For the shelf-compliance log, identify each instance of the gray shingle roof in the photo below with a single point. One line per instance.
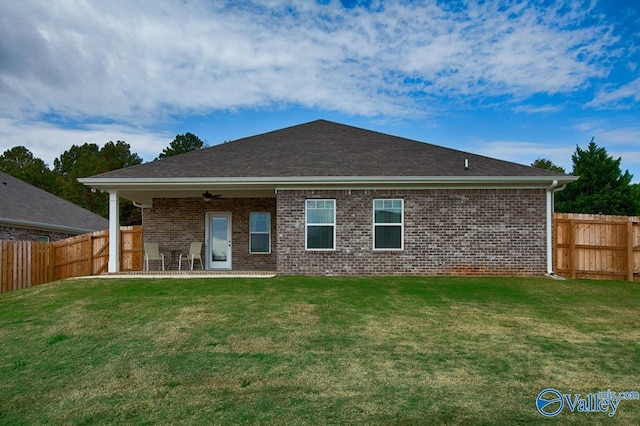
(22, 203)
(323, 148)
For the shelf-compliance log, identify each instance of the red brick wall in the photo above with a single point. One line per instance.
(175, 222)
(13, 233)
(476, 232)
(461, 232)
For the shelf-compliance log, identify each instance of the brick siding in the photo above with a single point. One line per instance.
(13, 233)
(446, 232)
(176, 222)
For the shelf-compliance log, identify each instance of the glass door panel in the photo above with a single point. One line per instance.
(219, 241)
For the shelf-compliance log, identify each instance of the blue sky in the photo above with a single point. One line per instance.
(515, 80)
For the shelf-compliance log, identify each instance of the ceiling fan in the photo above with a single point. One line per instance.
(207, 196)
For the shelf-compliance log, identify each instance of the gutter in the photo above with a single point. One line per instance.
(550, 191)
(127, 185)
(134, 183)
(142, 205)
(45, 226)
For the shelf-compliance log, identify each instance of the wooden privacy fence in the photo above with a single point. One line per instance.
(24, 264)
(27, 263)
(597, 246)
(88, 254)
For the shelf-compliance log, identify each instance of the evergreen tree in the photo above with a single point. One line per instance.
(20, 163)
(543, 163)
(181, 144)
(77, 162)
(602, 187)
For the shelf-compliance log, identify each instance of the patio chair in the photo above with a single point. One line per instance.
(192, 256)
(152, 252)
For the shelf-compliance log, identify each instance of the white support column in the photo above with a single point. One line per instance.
(114, 232)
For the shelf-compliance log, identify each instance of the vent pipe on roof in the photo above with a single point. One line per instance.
(466, 164)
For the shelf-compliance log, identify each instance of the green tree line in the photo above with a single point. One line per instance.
(87, 160)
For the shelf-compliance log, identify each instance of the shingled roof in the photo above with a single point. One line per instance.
(324, 148)
(25, 206)
(319, 154)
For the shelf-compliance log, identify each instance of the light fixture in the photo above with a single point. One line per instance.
(207, 196)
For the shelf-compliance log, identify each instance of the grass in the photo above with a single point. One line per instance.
(298, 350)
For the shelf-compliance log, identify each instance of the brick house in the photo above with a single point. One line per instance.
(324, 198)
(28, 213)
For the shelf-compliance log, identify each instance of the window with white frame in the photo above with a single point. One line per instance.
(260, 233)
(388, 223)
(320, 224)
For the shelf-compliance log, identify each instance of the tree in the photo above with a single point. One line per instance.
(88, 160)
(635, 191)
(543, 163)
(118, 155)
(20, 163)
(77, 162)
(602, 187)
(181, 144)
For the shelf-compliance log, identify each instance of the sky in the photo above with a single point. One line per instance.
(515, 80)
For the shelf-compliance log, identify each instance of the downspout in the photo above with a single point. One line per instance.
(141, 207)
(550, 191)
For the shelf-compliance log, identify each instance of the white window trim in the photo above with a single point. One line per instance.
(373, 243)
(261, 233)
(306, 224)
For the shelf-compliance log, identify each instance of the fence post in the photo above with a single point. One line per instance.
(572, 248)
(91, 248)
(1, 267)
(52, 263)
(630, 257)
(28, 263)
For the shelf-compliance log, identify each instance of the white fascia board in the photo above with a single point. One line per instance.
(44, 226)
(331, 181)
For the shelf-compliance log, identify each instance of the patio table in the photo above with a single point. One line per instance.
(174, 259)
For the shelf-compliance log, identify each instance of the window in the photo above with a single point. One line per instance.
(260, 233)
(388, 224)
(43, 239)
(320, 224)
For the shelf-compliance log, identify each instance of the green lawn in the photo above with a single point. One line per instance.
(298, 350)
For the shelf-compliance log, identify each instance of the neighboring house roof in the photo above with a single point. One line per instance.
(24, 206)
(316, 153)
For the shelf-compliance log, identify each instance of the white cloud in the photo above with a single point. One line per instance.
(517, 50)
(618, 98)
(137, 62)
(607, 132)
(537, 109)
(47, 141)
